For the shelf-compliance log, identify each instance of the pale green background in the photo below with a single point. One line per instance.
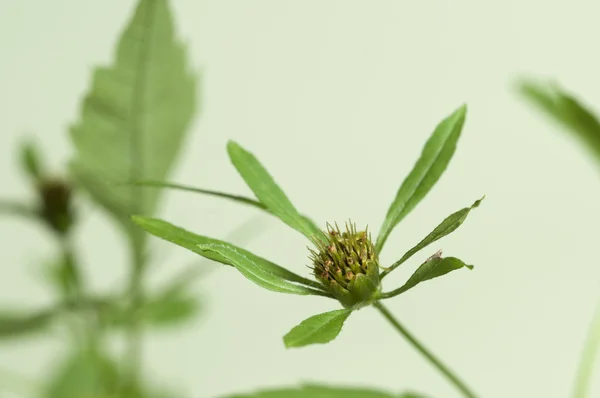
(337, 98)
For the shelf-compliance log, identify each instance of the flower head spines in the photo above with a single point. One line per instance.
(346, 264)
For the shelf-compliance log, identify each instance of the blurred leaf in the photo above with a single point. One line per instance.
(446, 227)
(434, 159)
(135, 115)
(318, 329)
(170, 308)
(13, 207)
(251, 265)
(268, 192)
(320, 391)
(14, 324)
(82, 375)
(428, 270)
(565, 109)
(31, 161)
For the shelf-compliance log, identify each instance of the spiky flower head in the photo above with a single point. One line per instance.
(346, 264)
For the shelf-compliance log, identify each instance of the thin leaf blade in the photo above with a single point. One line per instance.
(135, 115)
(428, 169)
(17, 324)
(261, 271)
(446, 227)
(318, 329)
(268, 192)
(565, 109)
(430, 269)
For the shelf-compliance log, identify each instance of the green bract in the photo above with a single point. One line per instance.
(345, 264)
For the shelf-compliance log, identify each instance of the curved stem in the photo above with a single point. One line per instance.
(460, 385)
(586, 364)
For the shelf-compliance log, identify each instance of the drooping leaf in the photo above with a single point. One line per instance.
(15, 324)
(84, 374)
(322, 391)
(252, 266)
(430, 269)
(134, 117)
(318, 329)
(268, 192)
(565, 109)
(256, 269)
(434, 159)
(446, 227)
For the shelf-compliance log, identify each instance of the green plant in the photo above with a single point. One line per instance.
(132, 122)
(345, 264)
(577, 118)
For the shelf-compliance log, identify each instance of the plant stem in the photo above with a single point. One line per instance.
(460, 385)
(590, 351)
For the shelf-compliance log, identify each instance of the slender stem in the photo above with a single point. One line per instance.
(460, 385)
(588, 357)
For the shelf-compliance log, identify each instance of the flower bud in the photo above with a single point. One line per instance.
(55, 204)
(346, 264)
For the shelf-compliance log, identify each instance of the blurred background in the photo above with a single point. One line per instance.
(336, 98)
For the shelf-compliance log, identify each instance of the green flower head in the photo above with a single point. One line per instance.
(345, 263)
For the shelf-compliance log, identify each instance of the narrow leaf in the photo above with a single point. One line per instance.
(268, 192)
(167, 309)
(15, 325)
(428, 270)
(236, 198)
(446, 227)
(135, 115)
(16, 208)
(223, 195)
(321, 391)
(434, 159)
(255, 269)
(31, 160)
(258, 269)
(317, 329)
(565, 109)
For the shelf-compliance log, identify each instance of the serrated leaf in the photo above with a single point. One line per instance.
(430, 269)
(446, 227)
(318, 329)
(434, 159)
(14, 324)
(268, 192)
(565, 109)
(83, 374)
(135, 115)
(321, 391)
(255, 268)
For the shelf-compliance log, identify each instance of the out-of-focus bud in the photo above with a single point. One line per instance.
(55, 204)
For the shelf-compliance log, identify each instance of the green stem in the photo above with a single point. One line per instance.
(586, 364)
(460, 385)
